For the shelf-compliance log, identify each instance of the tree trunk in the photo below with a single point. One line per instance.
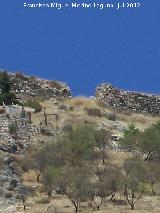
(49, 193)
(24, 204)
(38, 177)
(153, 190)
(132, 206)
(112, 196)
(103, 155)
(76, 207)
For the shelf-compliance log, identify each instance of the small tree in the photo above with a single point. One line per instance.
(51, 175)
(130, 140)
(38, 163)
(150, 143)
(33, 103)
(102, 140)
(152, 175)
(78, 144)
(6, 95)
(13, 128)
(73, 182)
(24, 192)
(106, 186)
(134, 181)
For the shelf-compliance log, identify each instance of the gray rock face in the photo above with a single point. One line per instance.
(125, 100)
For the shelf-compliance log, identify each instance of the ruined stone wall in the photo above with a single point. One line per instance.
(35, 87)
(125, 100)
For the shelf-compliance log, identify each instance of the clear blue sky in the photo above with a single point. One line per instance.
(83, 47)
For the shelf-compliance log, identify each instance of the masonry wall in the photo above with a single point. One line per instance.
(125, 100)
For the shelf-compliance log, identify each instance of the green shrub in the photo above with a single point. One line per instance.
(45, 131)
(33, 103)
(93, 112)
(71, 108)
(13, 128)
(111, 116)
(63, 107)
(67, 127)
(43, 200)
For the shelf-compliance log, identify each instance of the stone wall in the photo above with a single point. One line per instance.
(125, 100)
(35, 87)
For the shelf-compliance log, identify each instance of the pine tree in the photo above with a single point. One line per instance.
(6, 95)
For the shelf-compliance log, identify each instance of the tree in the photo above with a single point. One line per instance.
(150, 143)
(38, 162)
(130, 140)
(6, 95)
(24, 192)
(102, 140)
(51, 175)
(152, 175)
(73, 182)
(134, 181)
(5, 83)
(106, 186)
(78, 144)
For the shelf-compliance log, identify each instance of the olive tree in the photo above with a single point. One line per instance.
(102, 140)
(105, 186)
(78, 144)
(73, 182)
(150, 143)
(38, 162)
(134, 181)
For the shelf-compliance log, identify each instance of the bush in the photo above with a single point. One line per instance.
(111, 116)
(43, 200)
(6, 95)
(67, 127)
(13, 128)
(45, 131)
(93, 112)
(8, 195)
(71, 108)
(63, 107)
(33, 103)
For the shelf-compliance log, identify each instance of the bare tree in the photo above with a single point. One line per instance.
(38, 162)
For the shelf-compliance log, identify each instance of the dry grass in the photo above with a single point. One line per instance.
(82, 101)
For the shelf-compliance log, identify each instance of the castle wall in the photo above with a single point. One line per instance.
(125, 100)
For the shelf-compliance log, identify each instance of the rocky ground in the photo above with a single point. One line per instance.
(11, 146)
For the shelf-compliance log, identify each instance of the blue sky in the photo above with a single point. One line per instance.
(83, 47)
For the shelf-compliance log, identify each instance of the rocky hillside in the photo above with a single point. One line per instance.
(125, 100)
(35, 87)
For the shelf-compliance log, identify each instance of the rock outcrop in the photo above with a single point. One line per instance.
(126, 100)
